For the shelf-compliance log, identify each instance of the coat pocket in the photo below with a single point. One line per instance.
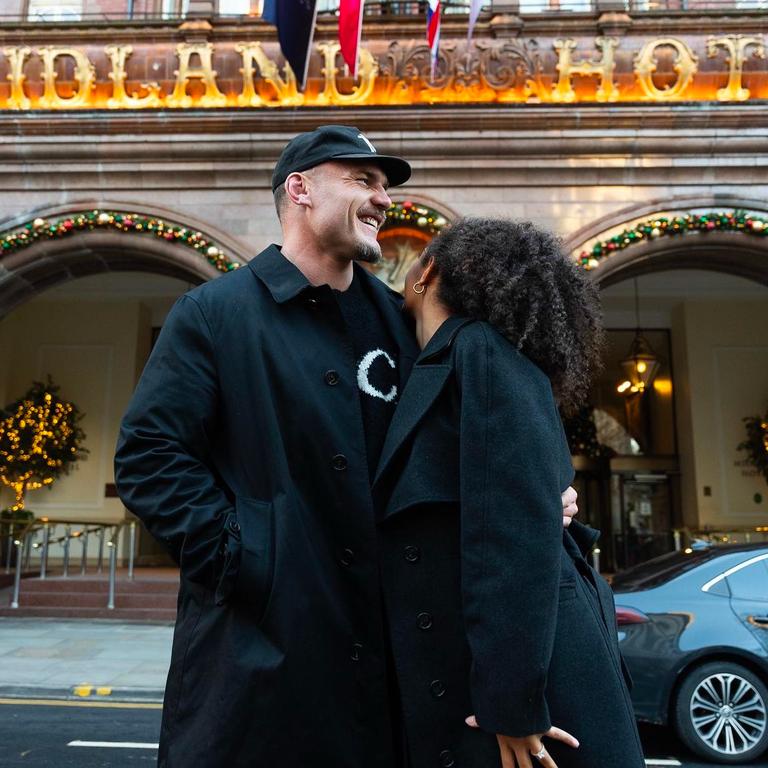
(567, 591)
(256, 521)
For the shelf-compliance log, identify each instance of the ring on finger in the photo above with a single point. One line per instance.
(541, 753)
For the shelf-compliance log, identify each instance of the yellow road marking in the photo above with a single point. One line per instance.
(96, 704)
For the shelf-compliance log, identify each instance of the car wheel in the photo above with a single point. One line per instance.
(721, 713)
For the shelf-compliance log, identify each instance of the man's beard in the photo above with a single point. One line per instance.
(367, 253)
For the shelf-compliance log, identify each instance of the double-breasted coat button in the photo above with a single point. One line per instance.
(347, 557)
(437, 687)
(424, 620)
(446, 758)
(356, 649)
(339, 462)
(331, 378)
(412, 553)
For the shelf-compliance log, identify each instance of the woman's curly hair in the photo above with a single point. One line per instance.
(516, 277)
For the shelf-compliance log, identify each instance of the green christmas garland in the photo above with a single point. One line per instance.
(62, 226)
(724, 221)
(414, 215)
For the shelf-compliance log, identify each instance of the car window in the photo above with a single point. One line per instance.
(659, 570)
(750, 583)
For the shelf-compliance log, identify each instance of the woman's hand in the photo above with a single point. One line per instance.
(516, 752)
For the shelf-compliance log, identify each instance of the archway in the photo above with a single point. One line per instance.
(44, 250)
(83, 292)
(730, 240)
(693, 282)
(410, 225)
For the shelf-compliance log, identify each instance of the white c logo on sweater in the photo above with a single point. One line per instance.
(362, 376)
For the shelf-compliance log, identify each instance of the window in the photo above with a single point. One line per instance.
(237, 7)
(750, 583)
(55, 10)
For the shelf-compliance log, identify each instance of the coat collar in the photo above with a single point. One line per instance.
(442, 338)
(283, 279)
(427, 380)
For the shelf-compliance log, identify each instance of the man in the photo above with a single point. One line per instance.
(248, 450)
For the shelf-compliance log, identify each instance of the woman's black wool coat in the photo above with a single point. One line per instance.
(492, 609)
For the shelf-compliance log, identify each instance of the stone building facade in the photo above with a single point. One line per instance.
(627, 132)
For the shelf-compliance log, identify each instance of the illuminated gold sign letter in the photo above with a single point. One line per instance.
(366, 73)
(736, 45)
(16, 59)
(118, 55)
(253, 58)
(563, 90)
(84, 75)
(686, 65)
(205, 72)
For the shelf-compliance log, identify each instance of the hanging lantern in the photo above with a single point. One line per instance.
(641, 364)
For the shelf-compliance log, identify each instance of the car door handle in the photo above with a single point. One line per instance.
(761, 620)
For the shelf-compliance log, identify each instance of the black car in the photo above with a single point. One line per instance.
(693, 629)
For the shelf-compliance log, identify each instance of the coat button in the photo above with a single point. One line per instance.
(446, 758)
(356, 649)
(437, 687)
(347, 557)
(234, 526)
(331, 378)
(412, 554)
(312, 302)
(339, 462)
(424, 621)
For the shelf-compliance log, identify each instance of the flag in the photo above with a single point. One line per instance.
(474, 12)
(295, 22)
(433, 32)
(350, 27)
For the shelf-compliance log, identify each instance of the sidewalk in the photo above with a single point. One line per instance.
(104, 660)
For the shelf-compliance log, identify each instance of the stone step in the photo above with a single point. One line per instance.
(152, 615)
(163, 600)
(85, 584)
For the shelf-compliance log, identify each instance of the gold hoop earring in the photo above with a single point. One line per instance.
(417, 285)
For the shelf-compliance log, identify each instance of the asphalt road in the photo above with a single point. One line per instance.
(45, 735)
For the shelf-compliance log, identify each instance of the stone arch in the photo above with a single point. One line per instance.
(46, 247)
(730, 236)
(411, 223)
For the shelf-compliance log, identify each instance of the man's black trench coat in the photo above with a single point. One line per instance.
(492, 608)
(243, 452)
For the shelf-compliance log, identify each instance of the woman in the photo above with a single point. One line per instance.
(495, 616)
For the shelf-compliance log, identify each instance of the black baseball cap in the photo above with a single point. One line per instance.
(335, 142)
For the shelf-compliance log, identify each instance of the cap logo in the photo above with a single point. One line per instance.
(370, 146)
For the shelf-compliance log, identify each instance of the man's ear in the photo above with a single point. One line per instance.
(297, 190)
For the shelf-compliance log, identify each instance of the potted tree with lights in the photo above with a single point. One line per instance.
(40, 440)
(756, 444)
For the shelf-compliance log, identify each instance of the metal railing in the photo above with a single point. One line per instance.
(395, 8)
(405, 8)
(25, 542)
